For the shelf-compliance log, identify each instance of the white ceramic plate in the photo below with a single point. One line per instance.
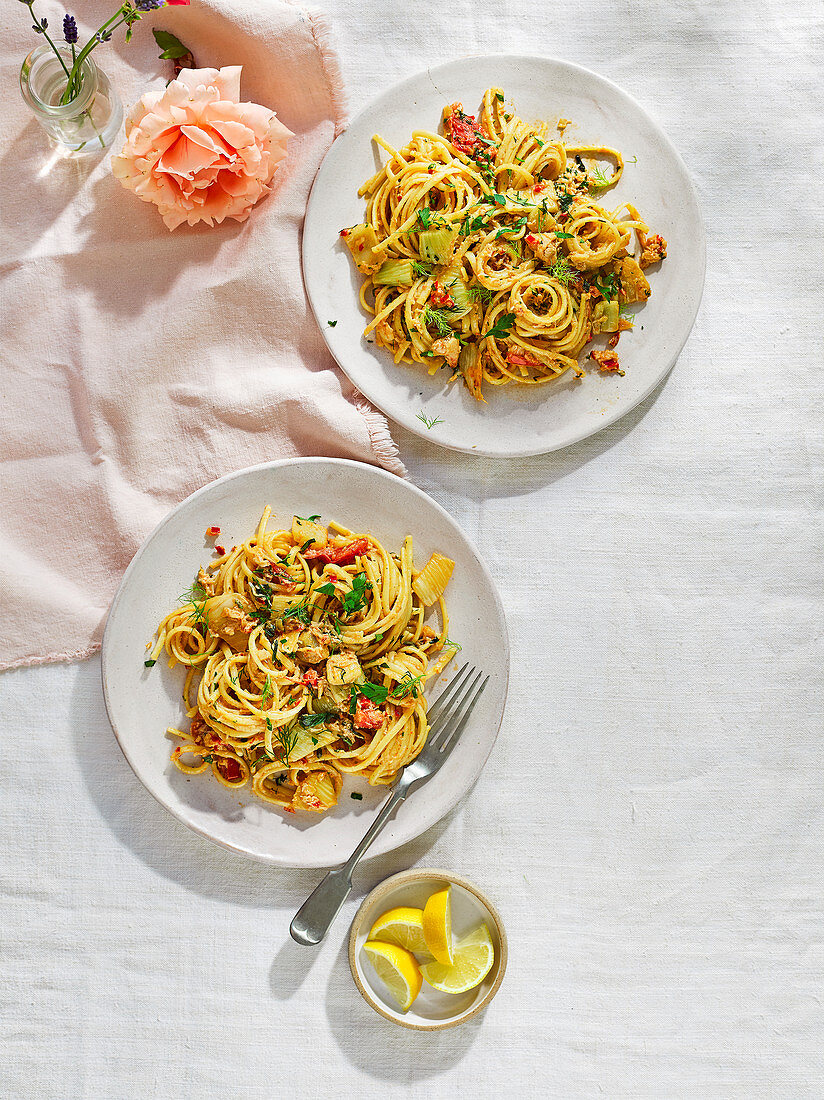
(142, 702)
(516, 420)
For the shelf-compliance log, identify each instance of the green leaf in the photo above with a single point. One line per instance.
(356, 597)
(326, 589)
(172, 47)
(501, 329)
(376, 692)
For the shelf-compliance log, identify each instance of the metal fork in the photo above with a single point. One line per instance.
(447, 718)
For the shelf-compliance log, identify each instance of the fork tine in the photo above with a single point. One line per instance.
(450, 739)
(448, 692)
(446, 718)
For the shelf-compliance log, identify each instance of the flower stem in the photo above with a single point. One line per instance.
(73, 87)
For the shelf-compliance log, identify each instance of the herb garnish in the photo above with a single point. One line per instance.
(562, 271)
(309, 721)
(607, 285)
(286, 737)
(439, 318)
(565, 200)
(501, 328)
(481, 293)
(424, 419)
(299, 611)
(196, 595)
(600, 178)
(355, 598)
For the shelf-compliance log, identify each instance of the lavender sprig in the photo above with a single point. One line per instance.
(70, 29)
(129, 13)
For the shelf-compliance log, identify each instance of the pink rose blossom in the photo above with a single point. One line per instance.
(197, 153)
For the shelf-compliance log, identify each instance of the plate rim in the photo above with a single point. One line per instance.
(614, 415)
(376, 849)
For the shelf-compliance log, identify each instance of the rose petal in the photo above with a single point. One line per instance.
(197, 153)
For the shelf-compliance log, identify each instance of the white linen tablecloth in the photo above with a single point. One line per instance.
(650, 821)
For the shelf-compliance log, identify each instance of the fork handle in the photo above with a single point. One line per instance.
(312, 921)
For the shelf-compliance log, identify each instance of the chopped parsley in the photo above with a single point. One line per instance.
(356, 597)
(358, 797)
(501, 328)
(331, 324)
(607, 285)
(300, 612)
(565, 200)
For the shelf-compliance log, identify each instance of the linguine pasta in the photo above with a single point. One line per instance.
(485, 250)
(307, 654)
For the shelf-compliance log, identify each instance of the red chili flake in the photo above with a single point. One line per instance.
(530, 239)
(211, 532)
(220, 549)
(311, 677)
(344, 232)
(538, 188)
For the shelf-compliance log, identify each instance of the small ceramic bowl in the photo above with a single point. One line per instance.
(432, 1010)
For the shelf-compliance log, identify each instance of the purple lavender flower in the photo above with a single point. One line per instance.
(149, 5)
(69, 29)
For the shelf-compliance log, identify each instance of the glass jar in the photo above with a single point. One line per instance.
(89, 123)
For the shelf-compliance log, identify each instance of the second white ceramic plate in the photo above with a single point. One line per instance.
(516, 420)
(142, 702)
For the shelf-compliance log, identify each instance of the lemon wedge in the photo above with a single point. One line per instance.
(403, 926)
(397, 969)
(474, 956)
(437, 927)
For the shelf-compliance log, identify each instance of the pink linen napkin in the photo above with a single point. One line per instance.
(139, 364)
